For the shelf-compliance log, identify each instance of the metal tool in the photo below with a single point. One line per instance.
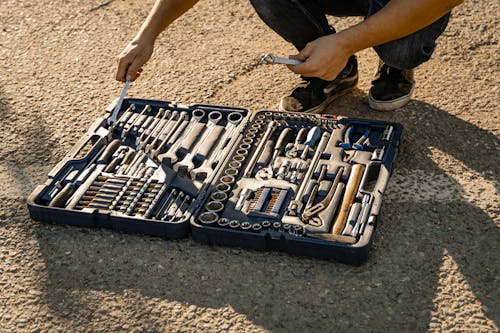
(301, 136)
(269, 59)
(279, 147)
(114, 115)
(170, 157)
(378, 154)
(170, 126)
(221, 149)
(187, 164)
(314, 210)
(314, 192)
(67, 192)
(151, 126)
(386, 135)
(296, 204)
(271, 127)
(126, 131)
(312, 137)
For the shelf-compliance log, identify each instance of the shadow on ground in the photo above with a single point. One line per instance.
(393, 291)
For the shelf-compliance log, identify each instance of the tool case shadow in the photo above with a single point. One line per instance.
(300, 183)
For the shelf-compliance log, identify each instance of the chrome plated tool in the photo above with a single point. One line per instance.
(270, 59)
(112, 119)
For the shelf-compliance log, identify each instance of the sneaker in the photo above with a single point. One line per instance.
(314, 94)
(391, 89)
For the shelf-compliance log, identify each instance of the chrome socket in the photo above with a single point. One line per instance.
(214, 207)
(218, 196)
(231, 172)
(266, 224)
(234, 164)
(234, 224)
(208, 218)
(243, 152)
(227, 179)
(257, 227)
(223, 222)
(223, 187)
(238, 158)
(246, 226)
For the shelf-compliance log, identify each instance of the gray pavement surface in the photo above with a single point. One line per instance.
(434, 263)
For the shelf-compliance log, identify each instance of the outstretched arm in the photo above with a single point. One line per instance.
(326, 56)
(140, 49)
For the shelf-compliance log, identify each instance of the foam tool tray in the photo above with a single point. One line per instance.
(301, 183)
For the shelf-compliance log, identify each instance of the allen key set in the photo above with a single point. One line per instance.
(301, 183)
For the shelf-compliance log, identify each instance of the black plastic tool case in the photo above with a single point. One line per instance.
(165, 169)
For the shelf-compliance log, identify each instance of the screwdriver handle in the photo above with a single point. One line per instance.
(109, 151)
(283, 139)
(313, 136)
(300, 136)
(60, 199)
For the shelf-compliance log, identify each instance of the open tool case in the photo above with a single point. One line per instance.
(300, 183)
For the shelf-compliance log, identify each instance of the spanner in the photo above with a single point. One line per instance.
(170, 157)
(186, 165)
(234, 119)
(270, 59)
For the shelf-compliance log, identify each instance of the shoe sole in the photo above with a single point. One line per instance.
(389, 105)
(322, 106)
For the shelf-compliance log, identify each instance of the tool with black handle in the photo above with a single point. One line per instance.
(63, 196)
(314, 210)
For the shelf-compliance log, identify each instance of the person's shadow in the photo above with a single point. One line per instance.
(427, 217)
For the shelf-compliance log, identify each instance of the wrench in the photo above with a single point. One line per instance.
(164, 130)
(154, 121)
(296, 205)
(271, 127)
(172, 137)
(137, 120)
(170, 157)
(160, 125)
(206, 168)
(186, 165)
(298, 140)
(285, 136)
(114, 115)
(314, 210)
(270, 59)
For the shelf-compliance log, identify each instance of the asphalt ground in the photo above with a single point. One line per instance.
(434, 262)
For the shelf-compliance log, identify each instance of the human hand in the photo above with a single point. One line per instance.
(132, 58)
(324, 58)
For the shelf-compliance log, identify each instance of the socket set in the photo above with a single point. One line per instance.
(300, 183)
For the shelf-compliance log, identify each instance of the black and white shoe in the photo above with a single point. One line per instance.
(391, 89)
(314, 95)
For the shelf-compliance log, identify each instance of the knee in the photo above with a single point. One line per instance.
(410, 51)
(267, 8)
(405, 54)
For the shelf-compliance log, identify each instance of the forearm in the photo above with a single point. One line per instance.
(164, 12)
(397, 19)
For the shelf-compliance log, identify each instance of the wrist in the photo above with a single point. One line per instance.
(351, 40)
(145, 37)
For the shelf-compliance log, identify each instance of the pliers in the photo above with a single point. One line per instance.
(358, 145)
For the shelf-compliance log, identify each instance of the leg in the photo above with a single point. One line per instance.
(410, 51)
(297, 22)
(394, 83)
(302, 21)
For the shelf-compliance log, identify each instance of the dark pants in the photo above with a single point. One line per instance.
(302, 21)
